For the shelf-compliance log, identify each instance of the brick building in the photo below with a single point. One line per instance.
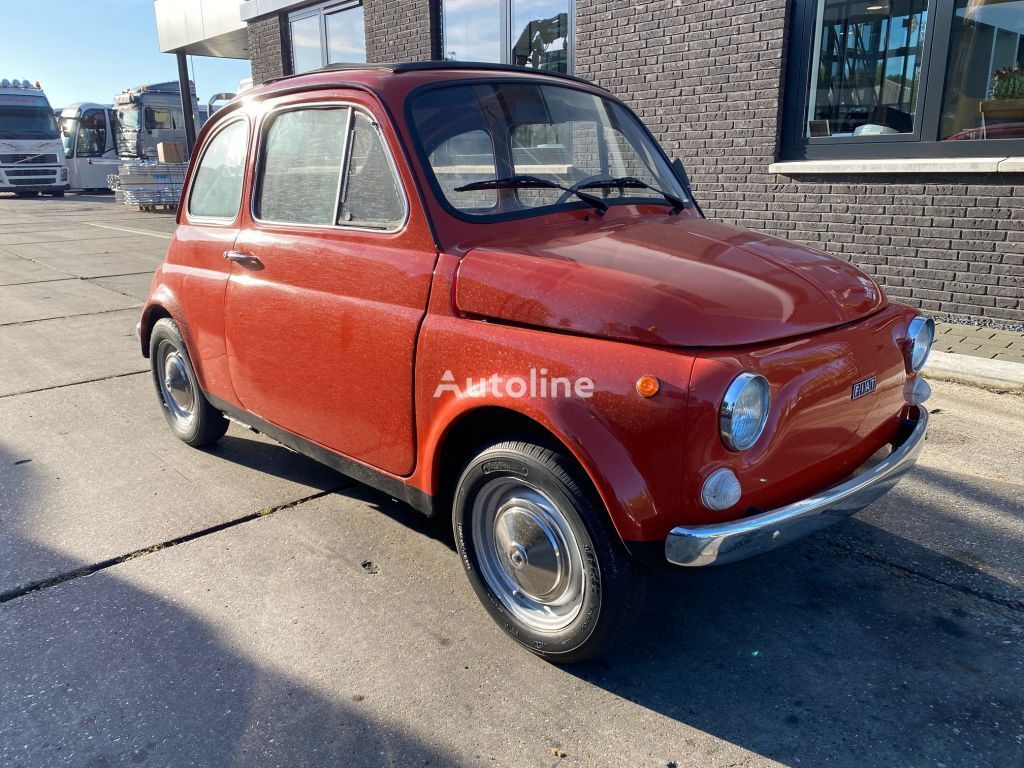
(888, 132)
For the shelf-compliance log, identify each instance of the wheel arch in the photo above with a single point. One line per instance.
(473, 429)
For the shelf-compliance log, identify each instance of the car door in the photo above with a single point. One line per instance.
(197, 270)
(330, 282)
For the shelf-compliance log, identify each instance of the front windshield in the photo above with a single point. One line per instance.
(130, 118)
(27, 122)
(564, 136)
(68, 127)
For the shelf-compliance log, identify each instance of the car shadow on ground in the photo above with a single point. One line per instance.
(98, 672)
(274, 459)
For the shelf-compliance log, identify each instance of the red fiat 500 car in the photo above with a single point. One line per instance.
(489, 293)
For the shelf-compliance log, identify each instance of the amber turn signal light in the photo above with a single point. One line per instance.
(647, 386)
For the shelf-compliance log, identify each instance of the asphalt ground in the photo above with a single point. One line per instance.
(243, 605)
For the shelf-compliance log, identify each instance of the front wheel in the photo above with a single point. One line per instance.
(539, 556)
(191, 417)
(59, 193)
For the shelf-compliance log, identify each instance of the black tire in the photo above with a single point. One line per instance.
(613, 585)
(24, 193)
(56, 194)
(189, 414)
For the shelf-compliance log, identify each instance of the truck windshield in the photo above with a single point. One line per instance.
(68, 129)
(27, 122)
(130, 118)
(500, 149)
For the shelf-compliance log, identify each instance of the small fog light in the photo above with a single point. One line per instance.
(917, 391)
(721, 490)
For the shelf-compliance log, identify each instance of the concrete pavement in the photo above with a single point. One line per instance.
(245, 606)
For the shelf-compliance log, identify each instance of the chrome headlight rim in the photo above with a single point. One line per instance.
(726, 411)
(920, 337)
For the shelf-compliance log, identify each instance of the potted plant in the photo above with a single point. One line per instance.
(1006, 96)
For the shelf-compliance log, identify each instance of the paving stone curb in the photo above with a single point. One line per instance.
(979, 371)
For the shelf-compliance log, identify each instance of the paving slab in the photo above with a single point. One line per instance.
(15, 270)
(72, 250)
(137, 286)
(104, 264)
(68, 232)
(960, 513)
(62, 298)
(270, 644)
(101, 475)
(53, 353)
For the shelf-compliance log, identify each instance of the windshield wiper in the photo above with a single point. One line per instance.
(532, 182)
(632, 182)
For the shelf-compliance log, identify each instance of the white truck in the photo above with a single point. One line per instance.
(31, 153)
(89, 133)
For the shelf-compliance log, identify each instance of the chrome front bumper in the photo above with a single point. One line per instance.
(721, 543)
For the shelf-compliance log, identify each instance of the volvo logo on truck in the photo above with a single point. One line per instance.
(31, 153)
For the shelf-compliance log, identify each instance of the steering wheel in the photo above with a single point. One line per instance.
(569, 192)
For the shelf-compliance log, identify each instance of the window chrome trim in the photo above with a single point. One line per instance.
(261, 136)
(222, 221)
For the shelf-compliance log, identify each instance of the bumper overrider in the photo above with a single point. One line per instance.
(720, 543)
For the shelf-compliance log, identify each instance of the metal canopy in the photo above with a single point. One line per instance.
(202, 28)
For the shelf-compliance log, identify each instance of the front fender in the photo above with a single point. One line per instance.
(630, 447)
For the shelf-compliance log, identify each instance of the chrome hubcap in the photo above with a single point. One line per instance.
(175, 385)
(528, 554)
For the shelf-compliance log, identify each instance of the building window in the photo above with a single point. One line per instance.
(528, 33)
(332, 33)
(984, 93)
(905, 78)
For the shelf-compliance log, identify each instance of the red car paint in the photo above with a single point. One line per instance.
(342, 336)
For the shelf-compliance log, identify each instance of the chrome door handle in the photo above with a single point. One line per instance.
(245, 259)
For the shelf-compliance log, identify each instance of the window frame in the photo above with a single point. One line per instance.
(267, 119)
(506, 34)
(321, 12)
(239, 117)
(923, 142)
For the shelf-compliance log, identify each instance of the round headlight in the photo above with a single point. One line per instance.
(920, 335)
(744, 411)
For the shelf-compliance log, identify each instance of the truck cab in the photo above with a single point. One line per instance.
(31, 154)
(89, 133)
(148, 115)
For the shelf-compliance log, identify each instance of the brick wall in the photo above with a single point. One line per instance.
(706, 77)
(269, 50)
(402, 30)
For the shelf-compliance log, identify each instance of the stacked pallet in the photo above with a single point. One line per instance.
(148, 183)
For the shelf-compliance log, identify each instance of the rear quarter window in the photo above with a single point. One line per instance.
(217, 188)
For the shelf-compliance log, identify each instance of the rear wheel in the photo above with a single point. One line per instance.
(539, 556)
(58, 193)
(188, 412)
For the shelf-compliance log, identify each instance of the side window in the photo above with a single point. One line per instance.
(159, 118)
(372, 193)
(217, 188)
(302, 157)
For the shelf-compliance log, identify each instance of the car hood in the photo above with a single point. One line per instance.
(681, 281)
